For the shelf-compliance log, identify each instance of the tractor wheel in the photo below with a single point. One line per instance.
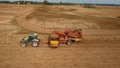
(23, 44)
(35, 44)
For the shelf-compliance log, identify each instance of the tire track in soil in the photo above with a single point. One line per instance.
(22, 21)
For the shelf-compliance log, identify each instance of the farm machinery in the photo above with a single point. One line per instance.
(32, 39)
(68, 36)
(76, 35)
(63, 38)
(54, 39)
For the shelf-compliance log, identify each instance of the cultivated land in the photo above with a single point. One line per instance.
(100, 47)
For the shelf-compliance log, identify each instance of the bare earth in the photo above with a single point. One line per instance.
(100, 47)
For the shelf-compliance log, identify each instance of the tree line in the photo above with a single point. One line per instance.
(33, 2)
(45, 2)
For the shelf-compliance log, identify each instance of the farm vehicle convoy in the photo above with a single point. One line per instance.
(55, 39)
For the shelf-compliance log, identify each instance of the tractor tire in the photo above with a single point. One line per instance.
(23, 44)
(35, 44)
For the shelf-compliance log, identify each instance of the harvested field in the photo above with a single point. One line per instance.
(100, 47)
(58, 17)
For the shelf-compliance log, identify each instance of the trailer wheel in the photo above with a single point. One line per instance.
(69, 42)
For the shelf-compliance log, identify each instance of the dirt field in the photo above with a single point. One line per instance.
(100, 47)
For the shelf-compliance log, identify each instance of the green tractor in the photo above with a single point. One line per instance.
(31, 39)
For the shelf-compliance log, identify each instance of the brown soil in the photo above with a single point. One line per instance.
(100, 47)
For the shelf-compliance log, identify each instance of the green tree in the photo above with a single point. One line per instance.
(61, 2)
(45, 2)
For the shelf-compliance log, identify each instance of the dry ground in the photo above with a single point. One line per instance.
(100, 47)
